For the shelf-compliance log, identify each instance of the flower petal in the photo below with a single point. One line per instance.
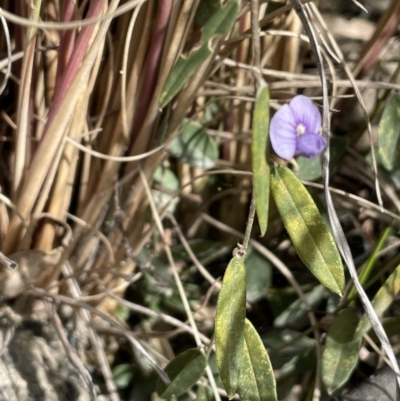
(306, 113)
(310, 145)
(283, 133)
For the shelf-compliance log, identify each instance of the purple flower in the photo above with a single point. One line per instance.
(295, 129)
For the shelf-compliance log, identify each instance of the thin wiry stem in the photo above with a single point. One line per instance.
(257, 75)
(179, 285)
(249, 224)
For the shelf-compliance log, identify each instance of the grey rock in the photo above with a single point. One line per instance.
(379, 387)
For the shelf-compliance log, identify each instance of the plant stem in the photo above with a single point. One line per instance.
(249, 224)
(257, 76)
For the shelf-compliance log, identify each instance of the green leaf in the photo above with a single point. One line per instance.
(365, 273)
(122, 312)
(194, 146)
(204, 393)
(184, 371)
(310, 169)
(300, 364)
(288, 347)
(219, 24)
(229, 324)
(389, 134)
(122, 375)
(340, 355)
(206, 9)
(222, 21)
(307, 230)
(342, 347)
(258, 275)
(261, 170)
(381, 302)
(182, 71)
(257, 382)
(296, 314)
(166, 178)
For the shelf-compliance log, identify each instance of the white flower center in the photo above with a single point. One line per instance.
(301, 129)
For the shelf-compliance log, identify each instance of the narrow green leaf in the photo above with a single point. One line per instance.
(298, 365)
(341, 351)
(183, 69)
(296, 314)
(307, 230)
(222, 21)
(258, 275)
(257, 382)
(206, 9)
(340, 355)
(229, 324)
(184, 371)
(381, 302)
(219, 24)
(288, 348)
(194, 146)
(261, 170)
(389, 134)
(367, 268)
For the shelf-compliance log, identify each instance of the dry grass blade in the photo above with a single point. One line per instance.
(359, 97)
(9, 55)
(53, 138)
(21, 156)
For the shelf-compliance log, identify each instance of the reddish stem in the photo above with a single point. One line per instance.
(75, 60)
(152, 65)
(66, 42)
(387, 32)
(371, 56)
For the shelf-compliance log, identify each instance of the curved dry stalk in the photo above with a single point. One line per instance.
(202, 270)
(149, 312)
(62, 26)
(120, 159)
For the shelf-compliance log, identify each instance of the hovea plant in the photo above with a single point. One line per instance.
(236, 354)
